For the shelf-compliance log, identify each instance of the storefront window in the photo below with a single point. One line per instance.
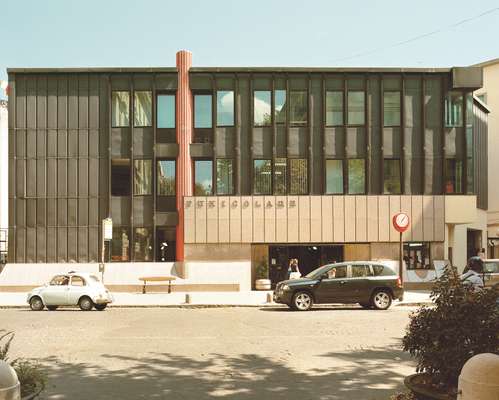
(391, 108)
(356, 176)
(391, 169)
(298, 174)
(453, 175)
(225, 108)
(224, 176)
(334, 176)
(120, 109)
(166, 178)
(203, 177)
(143, 244)
(120, 246)
(262, 177)
(356, 108)
(280, 176)
(142, 180)
(262, 108)
(202, 111)
(298, 107)
(166, 111)
(334, 108)
(280, 106)
(454, 109)
(143, 108)
(417, 255)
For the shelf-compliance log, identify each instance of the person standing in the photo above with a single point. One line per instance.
(293, 270)
(473, 273)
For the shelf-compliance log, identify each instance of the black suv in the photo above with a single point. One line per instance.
(372, 285)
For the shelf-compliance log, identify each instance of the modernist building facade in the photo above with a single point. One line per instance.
(211, 168)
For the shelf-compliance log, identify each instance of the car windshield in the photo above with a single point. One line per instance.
(319, 271)
(59, 280)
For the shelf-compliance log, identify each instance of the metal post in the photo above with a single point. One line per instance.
(401, 260)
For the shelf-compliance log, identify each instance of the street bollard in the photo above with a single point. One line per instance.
(270, 298)
(187, 298)
(10, 388)
(478, 379)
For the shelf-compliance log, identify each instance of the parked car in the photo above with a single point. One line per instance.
(372, 285)
(491, 272)
(73, 289)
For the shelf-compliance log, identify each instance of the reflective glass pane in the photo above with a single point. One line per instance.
(225, 108)
(142, 180)
(120, 245)
(120, 109)
(202, 111)
(166, 178)
(454, 109)
(224, 176)
(280, 106)
(391, 169)
(453, 175)
(298, 174)
(470, 160)
(356, 176)
(391, 108)
(280, 174)
(262, 108)
(120, 177)
(143, 108)
(334, 176)
(298, 107)
(334, 108)
(166, 111)
(356, 108)
(203, 177)
(262, 177)
(143, 244)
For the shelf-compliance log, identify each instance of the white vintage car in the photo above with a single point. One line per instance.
(81, 289)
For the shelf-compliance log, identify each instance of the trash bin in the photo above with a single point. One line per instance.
(10, 388)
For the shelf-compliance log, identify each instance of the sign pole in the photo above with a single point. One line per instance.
(401, 222)
(401, 260)
(107, 235)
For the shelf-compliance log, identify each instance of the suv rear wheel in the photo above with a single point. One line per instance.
(302, 301)
(381, 300)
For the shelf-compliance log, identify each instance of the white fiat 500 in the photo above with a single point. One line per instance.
(81, 289)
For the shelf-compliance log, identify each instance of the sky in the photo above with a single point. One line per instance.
(320, 33)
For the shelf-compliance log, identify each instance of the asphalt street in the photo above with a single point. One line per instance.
(215, 353)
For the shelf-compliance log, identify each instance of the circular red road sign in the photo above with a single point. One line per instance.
(401, 222)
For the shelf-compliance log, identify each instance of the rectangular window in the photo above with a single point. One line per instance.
(202, 111)
(453, 176)
(356, 108)
(298, 107)
(280, 106)
(417, 255)
(280, 176)
(120, 245)
(298, 176)
(225, 108)
(203, 177)
(143, 108)
(391, 175)
(391, 108)
(262, 177)
(143, 244)
(166, 111)
(334, 176)
(120, 177)
(262, 106)
(224, 176)
(356, 170)
(454, 109)
(142, 178)
(334, 108)
(165, 178)
(120, 109)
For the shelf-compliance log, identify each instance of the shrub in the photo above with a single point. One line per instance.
(461, 324)
(262, 270)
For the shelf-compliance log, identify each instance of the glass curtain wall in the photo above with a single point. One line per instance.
(334, 176)
(262, 177)
(120, 109)
(166, 177)
(225, 108)
(262, 106)
(142, 181)
(142, 108)
(224, 176)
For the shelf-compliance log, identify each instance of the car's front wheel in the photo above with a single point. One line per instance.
(302, 301)
(86, 304)
(381, 300)
(36, 304)
(100, 307)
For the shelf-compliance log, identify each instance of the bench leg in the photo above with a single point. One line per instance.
(169, 286)
(144, 288)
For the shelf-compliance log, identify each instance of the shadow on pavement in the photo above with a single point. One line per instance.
(364, 374)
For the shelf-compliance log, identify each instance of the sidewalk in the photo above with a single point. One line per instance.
(208, 299)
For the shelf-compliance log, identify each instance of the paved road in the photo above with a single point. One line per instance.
(215, 353)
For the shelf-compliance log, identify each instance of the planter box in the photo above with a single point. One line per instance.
(422, 391)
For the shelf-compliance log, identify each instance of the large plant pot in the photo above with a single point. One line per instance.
(263, 284)
(415, 383)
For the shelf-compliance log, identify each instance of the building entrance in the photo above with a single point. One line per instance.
(309, 258)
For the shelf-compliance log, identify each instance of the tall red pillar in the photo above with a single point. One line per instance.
(184, 136)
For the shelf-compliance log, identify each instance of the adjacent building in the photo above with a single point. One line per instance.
(211, 173)
(4, 211)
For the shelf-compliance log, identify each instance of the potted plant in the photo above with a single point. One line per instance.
(442, 337)
(262, 274)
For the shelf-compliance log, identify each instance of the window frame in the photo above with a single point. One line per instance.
(457, 182)
(271, 122)
(135, 108)
(342, 91)
(400, 108)
(307, 101)
(194, 159)
(407, 245)
(158, 160)
(165, 93)
(233, 109)
(130, 177)
(288, 178)
(342, 160)
(346, 182)
(271, 176)
(347, 107)
(129, 108)
(213, 106)
(285, 106)
(133, 177)
(448, 96)
(215, 177)
(133, 247)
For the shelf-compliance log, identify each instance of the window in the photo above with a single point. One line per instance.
(120, 177)
(165, 177)
(453, 176)
(280, 106)
(59, 280)
(143, 108)
(470, 181)
(203, 177)
(120, 109)
(298, 107)
(280, 176)
(338, 272)
(454, 109)
(262, 101)
(142, 244)
(77, 281)
(356, 176)
(202, 111)
(225, 108)
(356, 108)
(262, 177)
(391, 108)
(120, 245)
(417, 255)
(142, 178)
(334, 176)
(391, 182)
(334, 108)
(224, 176)
(361, 271)
(298, 173)
(166, 111)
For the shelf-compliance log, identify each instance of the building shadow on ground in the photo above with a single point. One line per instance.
(363, 374)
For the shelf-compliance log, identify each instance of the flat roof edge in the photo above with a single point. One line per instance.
(90, 70)
(319, 69)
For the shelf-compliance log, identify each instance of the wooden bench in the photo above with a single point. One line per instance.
(157, 279)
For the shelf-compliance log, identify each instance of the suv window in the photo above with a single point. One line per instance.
(360, 271)
(59, 280)
(77, 281)
(338, 272)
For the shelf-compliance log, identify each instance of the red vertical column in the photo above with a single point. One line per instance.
(184, 136)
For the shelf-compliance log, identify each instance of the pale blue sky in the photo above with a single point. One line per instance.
(64, 33)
